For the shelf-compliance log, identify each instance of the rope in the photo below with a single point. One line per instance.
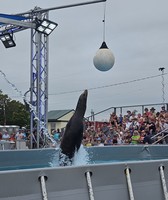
(163, 182)
(130, 190)
(104, 22)
(43, 188)
(90, 188)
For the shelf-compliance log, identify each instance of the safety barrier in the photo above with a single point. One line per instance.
(126, 180)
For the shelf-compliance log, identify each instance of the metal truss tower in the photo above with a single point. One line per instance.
(39, 80)
(38, 69)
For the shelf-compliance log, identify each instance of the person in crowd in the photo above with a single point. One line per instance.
(135, 123)
(142, 136)
(152, 112)
(56, 135)
(108, 141)
(87, 142)
(135, 137)
(164, 128)
(20, 135)
(120, 137)
(91, 131)
(140, 119)
(5, 135)
(105, 129)
(146, 112)
(12, 137)
(0, 135)
(152, 125)
(120, 120)
(147, 137)
(129, 113)
(127, 137)
(163, 111)
(115, 139)
(113, 120)
(127, 123)
(100, 142)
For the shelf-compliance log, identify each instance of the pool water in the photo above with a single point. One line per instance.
(43, 158)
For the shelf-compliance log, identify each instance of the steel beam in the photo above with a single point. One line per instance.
(17, 22)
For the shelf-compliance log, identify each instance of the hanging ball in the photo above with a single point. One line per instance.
(104, 58)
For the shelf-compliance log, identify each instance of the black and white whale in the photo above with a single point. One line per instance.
(73, 135)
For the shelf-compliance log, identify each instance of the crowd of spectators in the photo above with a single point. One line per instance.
(132, 128)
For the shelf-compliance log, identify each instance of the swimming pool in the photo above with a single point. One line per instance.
(110, 172)
(43, 158)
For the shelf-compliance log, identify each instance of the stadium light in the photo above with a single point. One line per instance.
(7, 40)
(46, 26)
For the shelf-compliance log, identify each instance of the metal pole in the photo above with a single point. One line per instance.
(46, 67)
(163, 182)
(61, 7)
(130, 190)
(163, 84)
(31, 90)
(43, 188)
(38, 85)
(90, 188)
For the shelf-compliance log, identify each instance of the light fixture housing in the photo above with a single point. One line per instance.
(45, 26)
(7, 40)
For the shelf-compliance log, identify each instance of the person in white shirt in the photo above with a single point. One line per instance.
(5, 135)
(20, 135)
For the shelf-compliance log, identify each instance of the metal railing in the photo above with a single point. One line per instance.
(162, 136)
(120, 109)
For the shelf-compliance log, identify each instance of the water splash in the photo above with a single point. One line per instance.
(81, 157)
(32, 109)
(64, 160)
(54, 158)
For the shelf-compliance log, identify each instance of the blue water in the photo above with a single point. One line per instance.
(85, 156)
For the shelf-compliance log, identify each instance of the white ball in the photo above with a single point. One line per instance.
(104, 58)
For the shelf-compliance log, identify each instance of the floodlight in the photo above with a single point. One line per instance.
(7, 40)
(45, 26)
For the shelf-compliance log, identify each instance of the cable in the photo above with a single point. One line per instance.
(104, 22)
(105, 86)
(111, 85)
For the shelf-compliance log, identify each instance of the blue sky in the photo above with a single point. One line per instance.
(136, 33)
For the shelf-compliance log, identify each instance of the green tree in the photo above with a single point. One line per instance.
(13, 112)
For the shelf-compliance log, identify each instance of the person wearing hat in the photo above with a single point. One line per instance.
(152, 112)
(163, 111)
(146, 112)
(152, 109)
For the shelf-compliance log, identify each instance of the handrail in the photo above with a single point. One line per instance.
(166, 129)
(160, 139)
(127, 106)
